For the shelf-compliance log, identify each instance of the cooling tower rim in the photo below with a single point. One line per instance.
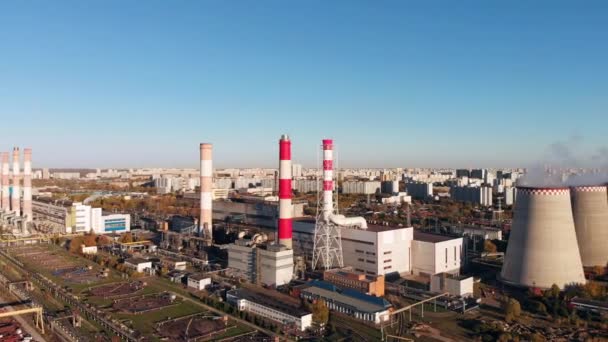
(590, 188)
(543, 190)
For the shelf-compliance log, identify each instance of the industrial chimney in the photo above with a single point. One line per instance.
(205, 223)
(542, 248)
(285, 207)
(16, 193)
(5, 186)
(27, 184)
(590, 210)
(328, 178)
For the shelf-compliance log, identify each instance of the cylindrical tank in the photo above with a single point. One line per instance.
(590, 210)
(542, 248)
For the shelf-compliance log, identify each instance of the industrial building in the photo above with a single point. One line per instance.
(67, 217)
(348, 278)
(264, 264)
(253, 210)
(590, 211)
(433, 254)
(382, 250)
(271, 305)
(15, 199)
(377, 250)
(455, 285)
(543, 248)
(347, 301)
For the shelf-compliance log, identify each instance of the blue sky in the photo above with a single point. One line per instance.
(395, 83)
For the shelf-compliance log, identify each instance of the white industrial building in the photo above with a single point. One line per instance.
(433, 254)
(271, 305)
(267, 264)
(381, 250)
(455, 285)
(138, 264)
(70, 217)
(198, 281)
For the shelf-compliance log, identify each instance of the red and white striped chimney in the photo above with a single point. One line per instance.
(328, 178)
(285, 207)
(5, 200)
(206, 184)
(27, 184)
(16, 193)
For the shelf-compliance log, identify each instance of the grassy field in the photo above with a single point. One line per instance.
(145, 322)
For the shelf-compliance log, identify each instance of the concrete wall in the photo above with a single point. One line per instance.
(590, 211)
(454, 286)
(542, 248)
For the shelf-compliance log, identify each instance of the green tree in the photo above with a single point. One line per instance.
(512, 309)
(320, 312)
(555, 291)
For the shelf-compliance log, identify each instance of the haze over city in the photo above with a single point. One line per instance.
(443, 84)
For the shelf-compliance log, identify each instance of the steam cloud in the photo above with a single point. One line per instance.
(564, 166)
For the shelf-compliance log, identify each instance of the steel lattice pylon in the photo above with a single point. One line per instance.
(327, 248)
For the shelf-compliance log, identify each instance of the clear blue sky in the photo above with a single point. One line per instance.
(395, 83)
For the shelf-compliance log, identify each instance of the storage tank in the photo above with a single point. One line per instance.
(590, 210)
(542, 248)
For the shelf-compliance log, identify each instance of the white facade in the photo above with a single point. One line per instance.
(88, 250)
(138, 265)
(272, 266)
(375, 251)
(456, 286)
(302, 322)
(82, 218)
(436, 255)
(361, 187)
(109, 224)
(198, 282)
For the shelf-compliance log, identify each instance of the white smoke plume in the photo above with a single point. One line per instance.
(564, 165)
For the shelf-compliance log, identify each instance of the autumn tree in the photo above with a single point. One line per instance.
(489, 246)
(90, 240)
(320, 312)
(126, 237)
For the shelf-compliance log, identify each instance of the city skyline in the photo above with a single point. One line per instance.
(411, 85)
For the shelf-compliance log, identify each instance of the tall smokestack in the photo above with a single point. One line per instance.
(16, 193)
(4, 201)
(205, 223)
(285, 207)
(27, 184)
(328, 178)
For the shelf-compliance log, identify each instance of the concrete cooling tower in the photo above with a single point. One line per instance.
(590, 210)
(542, 248)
